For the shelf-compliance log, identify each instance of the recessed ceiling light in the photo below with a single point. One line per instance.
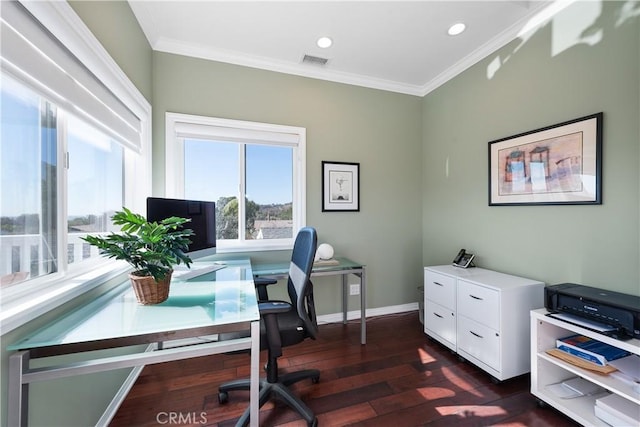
(456, 29)
(324, 42)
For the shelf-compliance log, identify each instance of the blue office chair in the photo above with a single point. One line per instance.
(283, 324)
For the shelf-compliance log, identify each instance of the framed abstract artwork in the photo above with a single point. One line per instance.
(555, 165)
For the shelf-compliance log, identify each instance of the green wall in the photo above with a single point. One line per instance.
(115, 25)
(585, 61)
(380, 130)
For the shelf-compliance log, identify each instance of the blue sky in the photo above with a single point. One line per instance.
(215, 172)
(22, 149)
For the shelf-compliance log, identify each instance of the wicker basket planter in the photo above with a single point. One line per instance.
(148, 291)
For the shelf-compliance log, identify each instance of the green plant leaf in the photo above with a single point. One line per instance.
(151, 248)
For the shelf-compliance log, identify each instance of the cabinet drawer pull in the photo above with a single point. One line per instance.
(473, 333)
(475, 297)
(439, 284)
(437, 315)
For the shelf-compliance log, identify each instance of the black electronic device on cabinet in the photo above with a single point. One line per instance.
(464, 259)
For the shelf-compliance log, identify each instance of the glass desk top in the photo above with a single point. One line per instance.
(224, 297)
(279, 268)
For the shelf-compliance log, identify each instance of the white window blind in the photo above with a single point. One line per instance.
(235, 134)
(33, 55)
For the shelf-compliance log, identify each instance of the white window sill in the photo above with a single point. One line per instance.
(255, 246)
(21, 310)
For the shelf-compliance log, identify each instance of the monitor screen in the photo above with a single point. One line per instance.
(203, 221)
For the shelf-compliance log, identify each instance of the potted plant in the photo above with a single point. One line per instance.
(151, 248)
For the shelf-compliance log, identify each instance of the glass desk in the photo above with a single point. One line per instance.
(344, 268)
(223, 301)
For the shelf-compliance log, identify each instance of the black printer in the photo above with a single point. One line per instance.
(621, 312)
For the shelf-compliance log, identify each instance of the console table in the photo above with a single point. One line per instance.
(344, 268)
(224, 301)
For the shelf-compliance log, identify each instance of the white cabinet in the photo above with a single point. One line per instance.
(547, 370)
(482, 315)
(440, 307)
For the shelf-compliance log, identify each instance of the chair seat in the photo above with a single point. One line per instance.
(291, 327)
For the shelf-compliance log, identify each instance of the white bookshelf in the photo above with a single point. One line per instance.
(547, 370)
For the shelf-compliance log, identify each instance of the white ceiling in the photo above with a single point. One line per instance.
(400, 46)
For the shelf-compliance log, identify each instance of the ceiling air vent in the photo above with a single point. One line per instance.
(314, 60)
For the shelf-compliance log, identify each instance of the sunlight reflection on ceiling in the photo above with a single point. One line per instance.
(572, 23)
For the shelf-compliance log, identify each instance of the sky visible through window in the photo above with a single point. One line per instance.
(211, 171)
(20, 117)
(90, 151)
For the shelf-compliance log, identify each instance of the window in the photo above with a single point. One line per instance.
(32, 139)
(74, 136)
(255, 172)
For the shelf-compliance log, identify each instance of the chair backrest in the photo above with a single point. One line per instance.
(299, 284)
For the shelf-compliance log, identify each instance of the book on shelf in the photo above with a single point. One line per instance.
(590, 349)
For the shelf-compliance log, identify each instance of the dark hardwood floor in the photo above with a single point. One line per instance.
(399, 378)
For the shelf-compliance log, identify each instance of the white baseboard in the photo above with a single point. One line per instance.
(369, 312)
(117, 400)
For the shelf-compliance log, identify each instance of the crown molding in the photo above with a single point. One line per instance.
(187, 49)
(304, 70)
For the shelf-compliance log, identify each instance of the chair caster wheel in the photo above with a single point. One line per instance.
(223, 398)
(315, 380)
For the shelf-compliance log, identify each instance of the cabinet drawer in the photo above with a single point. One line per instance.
(479, 341)
(440, 289)
(479, 303)
(440, 321)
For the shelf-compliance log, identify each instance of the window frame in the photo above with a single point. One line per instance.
(42, 294)
(174, 168)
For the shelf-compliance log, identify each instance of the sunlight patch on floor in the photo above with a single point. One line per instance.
(433, 393)
(455, 379)
(463, 412)
(425, 357)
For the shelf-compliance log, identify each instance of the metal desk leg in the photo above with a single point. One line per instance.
(18, 393)
(345, 297)
(363, 308)
(254, 390)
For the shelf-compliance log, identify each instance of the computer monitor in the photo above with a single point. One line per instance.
(203, 221)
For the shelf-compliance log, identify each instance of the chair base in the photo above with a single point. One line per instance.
(277, 390)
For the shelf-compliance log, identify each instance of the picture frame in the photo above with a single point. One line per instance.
(340, 186)
(555, 165)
